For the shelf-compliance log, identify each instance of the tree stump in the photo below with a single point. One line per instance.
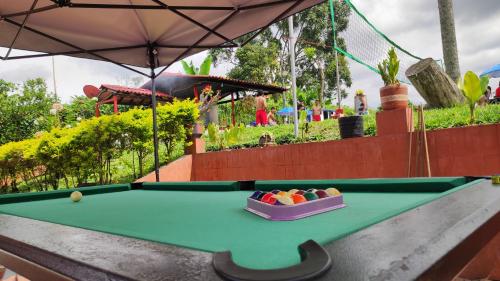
(433, 84)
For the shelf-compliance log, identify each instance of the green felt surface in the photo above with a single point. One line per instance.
(62, 193)
(217, 221)
(193, 186)
(363, 185)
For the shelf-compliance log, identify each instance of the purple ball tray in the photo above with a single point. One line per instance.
(294, 212)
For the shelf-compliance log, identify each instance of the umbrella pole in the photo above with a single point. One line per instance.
(152, 63)
(292, 70)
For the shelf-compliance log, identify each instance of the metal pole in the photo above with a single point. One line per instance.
(152, 63)
(292, 68)
(54, 76)
(332, 7)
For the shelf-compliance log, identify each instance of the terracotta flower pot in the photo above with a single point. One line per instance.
(394, 97)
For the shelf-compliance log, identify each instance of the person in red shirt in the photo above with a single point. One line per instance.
(497, 94)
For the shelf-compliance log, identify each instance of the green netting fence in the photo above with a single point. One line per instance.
(367, 45)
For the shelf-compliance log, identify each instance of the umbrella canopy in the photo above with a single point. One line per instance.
(126, 31)
(143, 33)
(493, 72)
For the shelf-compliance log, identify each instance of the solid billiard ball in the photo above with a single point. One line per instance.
(275, 191)
(298, 198)
(256, 195)
(332, 191)
(321, 193)
(292, 191)
(300, 192)
(310, 196)
(76, 196)
(282, 193)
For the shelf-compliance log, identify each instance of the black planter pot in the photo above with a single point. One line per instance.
(351, 127)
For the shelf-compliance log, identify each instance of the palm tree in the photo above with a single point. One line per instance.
(449, 39)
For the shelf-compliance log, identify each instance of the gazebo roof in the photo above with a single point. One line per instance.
(182, 86)
(125, 95)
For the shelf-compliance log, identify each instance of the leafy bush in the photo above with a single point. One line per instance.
(90, 150)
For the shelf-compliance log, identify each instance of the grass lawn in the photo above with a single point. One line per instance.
(328, 129)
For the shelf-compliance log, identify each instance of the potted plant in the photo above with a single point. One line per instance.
(393, 95)
(473, 87)
(266, 139)
(351, 126)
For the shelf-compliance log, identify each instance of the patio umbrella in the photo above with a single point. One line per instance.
(493, 72)
(142, 33)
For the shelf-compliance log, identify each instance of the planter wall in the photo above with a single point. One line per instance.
(453, 152)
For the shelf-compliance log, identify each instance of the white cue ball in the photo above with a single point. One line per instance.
(76, 196)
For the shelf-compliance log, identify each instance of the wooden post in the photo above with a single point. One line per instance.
(232, 110)
(196, 95)
(97, 111)
(115, 105)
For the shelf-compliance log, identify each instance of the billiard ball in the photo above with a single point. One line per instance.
(266, 197)
(321, 193)
(310, 196)
(282, 193)
(298, 198)
(292, 191)
(76, 196)
(300, 192)
(275, 191)
(256, 195)
(313, 190)
(332, 191)
(284, 200)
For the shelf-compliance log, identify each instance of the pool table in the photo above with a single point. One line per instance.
(390, 229)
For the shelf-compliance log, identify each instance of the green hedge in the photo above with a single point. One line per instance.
(87, 151)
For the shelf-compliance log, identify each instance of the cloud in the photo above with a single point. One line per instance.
(413, 24)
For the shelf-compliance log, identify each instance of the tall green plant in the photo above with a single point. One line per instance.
(226, 138)
(204, 68)
(472, 87)
(389, 68)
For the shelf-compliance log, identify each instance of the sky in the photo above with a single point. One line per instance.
(413, 24)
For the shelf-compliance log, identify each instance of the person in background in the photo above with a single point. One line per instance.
(271, 117)
(485, 98)
(260, 113)
(316, 111)
(360, 104)
(488, 93)
(497, 92)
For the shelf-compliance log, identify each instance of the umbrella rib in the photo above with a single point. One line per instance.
(21, 28)
(75, 52)
(38, 10)
(193, 20)
(74, 46)
(201, 39)
(262, 5)
(141, 22)
(273, 21)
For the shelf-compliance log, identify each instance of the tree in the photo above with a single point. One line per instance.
(449, 39)
(265, 58)
(25, 110)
